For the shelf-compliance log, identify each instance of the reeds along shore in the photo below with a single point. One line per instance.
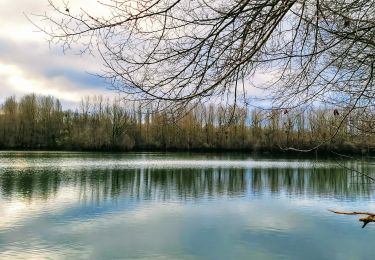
(39, 122)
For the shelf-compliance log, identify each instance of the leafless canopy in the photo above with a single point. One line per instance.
(185, 51)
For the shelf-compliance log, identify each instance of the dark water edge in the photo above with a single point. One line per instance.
(320, 153)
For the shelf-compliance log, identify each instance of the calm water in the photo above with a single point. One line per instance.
(166, 206)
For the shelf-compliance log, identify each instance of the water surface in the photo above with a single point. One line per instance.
(180, 206)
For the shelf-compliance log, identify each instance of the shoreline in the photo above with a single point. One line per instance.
(319, 153)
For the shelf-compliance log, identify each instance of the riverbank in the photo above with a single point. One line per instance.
(259, 153)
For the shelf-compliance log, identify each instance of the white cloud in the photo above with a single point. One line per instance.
(25, 56)
(16, 81)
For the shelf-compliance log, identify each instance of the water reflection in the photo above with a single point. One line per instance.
(184, 184)
(266, 210)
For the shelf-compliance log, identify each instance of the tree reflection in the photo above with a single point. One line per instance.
(301, 181)
(184, 184)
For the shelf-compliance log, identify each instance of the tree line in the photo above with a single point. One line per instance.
(40, 122)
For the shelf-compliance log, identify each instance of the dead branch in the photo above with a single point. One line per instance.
(369, 218)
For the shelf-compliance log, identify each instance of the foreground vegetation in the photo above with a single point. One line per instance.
(39, 122)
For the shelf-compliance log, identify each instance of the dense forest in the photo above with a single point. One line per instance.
(39, 122)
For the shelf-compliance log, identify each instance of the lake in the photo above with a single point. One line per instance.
(181, 206)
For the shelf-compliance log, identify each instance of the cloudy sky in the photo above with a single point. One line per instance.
(29, 65)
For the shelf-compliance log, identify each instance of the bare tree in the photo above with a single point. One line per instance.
(182, 51)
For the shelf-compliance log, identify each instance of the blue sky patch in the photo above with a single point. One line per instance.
(83, 78)
(4, 46)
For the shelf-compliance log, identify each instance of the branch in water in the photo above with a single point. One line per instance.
(370, 216)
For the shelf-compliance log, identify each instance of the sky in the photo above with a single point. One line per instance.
(29, 65)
